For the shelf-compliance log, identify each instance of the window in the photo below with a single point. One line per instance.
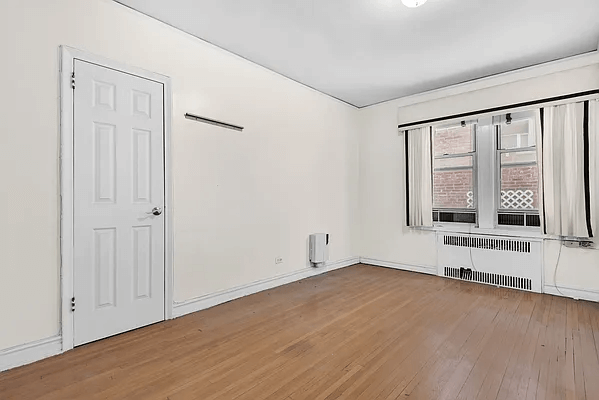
(501, 157)
(518, 174)
(454, 151)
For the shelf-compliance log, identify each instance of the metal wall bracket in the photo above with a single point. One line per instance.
(197, 118)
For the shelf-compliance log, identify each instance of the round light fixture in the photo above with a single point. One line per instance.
(413, 3)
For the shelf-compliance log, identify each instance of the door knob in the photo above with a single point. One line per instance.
(156, 211)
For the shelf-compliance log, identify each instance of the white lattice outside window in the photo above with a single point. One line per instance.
(510, 199)
(517, 199)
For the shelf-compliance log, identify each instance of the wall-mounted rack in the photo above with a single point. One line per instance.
(197, 118)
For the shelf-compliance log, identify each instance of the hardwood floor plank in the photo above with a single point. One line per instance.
(590, 360)
(574, 377)
(557, 348)
(466, 378)
(521, 370)
(500, 372)
(406, 348)
(429, 380)
(359, 333)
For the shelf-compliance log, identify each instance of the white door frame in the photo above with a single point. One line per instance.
(68, 55)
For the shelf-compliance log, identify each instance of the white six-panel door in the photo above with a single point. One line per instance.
(118, 182)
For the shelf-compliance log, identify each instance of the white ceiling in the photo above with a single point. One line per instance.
(367, 51)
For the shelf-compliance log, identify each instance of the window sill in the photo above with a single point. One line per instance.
(519, 232)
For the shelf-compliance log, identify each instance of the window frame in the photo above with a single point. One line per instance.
(473, 155)
(499, 152)
(486, 169)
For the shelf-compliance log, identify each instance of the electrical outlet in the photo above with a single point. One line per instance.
(279, 260)
(585, 244)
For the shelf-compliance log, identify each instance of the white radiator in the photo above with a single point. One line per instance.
(493, 260)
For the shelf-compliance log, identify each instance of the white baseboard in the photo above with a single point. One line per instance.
(424, 269)
(213, 299)
(30, 352)
(346, 262)
(575, 293)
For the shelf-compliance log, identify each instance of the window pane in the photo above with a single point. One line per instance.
(456, 140)
(453, 188)
(453, 162)
(516, 135)
(519, 183)
(519, 157)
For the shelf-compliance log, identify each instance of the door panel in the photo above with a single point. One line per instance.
(104, 153)
(142, 166)
(118, 180)
(142, 262)
(104, 267)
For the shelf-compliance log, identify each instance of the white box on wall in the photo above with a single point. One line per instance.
(319, 248)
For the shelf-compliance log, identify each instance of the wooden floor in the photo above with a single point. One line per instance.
(357, 333)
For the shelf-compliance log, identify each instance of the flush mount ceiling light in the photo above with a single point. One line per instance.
(413, 3)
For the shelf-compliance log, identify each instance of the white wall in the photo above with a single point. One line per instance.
(382, 182)
(241, 199)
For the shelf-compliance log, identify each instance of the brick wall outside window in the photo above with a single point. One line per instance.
(450, 188)
(452, 141)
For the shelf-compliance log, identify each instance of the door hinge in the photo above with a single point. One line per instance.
(73, 304)
(73, 80)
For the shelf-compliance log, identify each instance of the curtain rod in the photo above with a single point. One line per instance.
(502, 108)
